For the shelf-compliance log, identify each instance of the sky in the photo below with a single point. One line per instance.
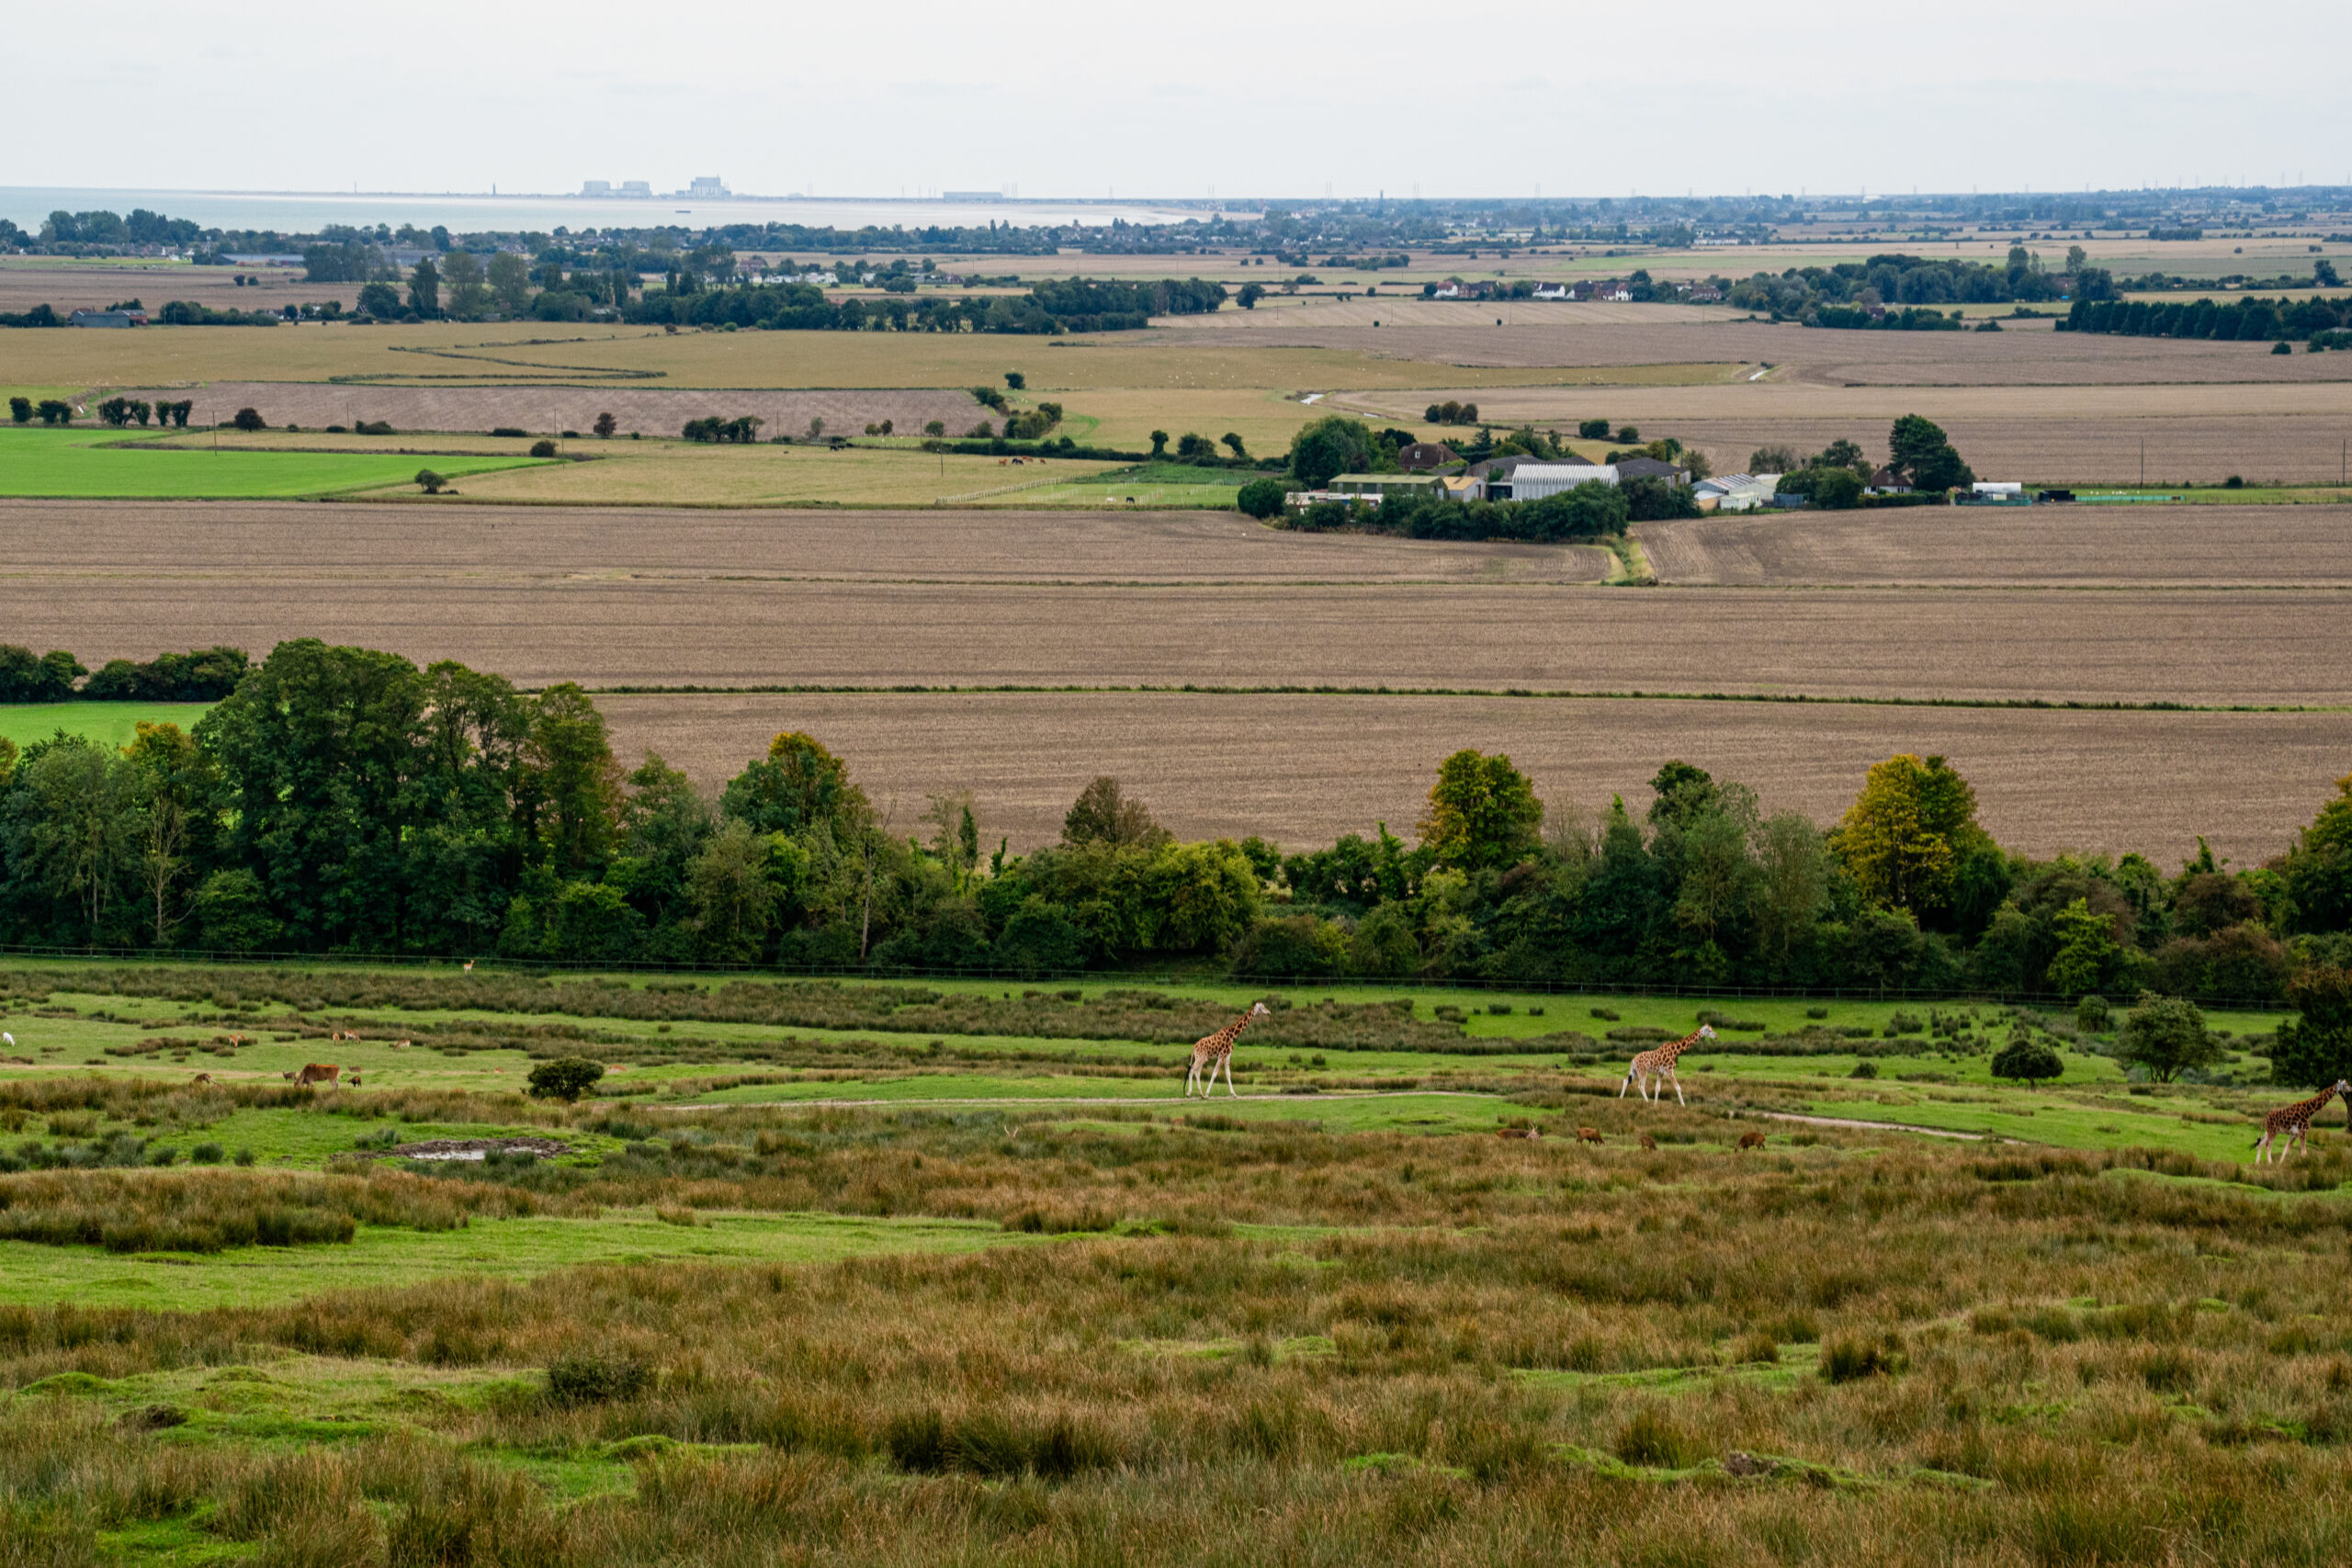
(1281, 97)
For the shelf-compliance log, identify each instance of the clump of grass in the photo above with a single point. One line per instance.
(1653, 1438)
(1849, 1359)
(598, 1377)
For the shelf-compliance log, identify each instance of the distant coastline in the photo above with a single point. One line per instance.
(308, 212)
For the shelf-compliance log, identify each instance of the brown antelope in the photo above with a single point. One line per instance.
(1647, 1142)
(1751, 1140)
(1531, 1134)
(1588, 1135)
(469, 965)
(317, 1072)
(354, 1080)
(203, 1077)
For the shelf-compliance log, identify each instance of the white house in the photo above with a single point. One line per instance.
(1447, 291)
(1550, 291)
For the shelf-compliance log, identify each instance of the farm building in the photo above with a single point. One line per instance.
(1425, 455)
(1351, 485)
(1533, 482)
(1886, 481)
(1650, 469)
(1736, 493)
(106, 318)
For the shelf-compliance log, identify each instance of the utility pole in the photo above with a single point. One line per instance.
(2143, 462)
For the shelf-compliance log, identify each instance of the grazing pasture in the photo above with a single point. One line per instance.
(1331, 1317)
(85, 464)
(1301, 770)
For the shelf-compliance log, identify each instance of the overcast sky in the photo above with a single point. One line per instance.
(1278, 97)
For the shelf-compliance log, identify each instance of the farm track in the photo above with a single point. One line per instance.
(1303, 769)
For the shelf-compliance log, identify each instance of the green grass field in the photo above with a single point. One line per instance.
(82, 464)
(110, 724)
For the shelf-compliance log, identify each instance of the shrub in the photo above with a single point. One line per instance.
(1261, 499)
(566, 1077)
(245, 1156)
(1816, 1012)
(430, 481)
(596, 1377)
(2091, 1014)
(2282, 347)
(247, 419)
(542, 448)
(1864, 1071)
(2026, 1060)
(207, 1153)
(511, 431)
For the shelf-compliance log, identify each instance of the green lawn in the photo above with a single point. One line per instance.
(1149, 484)
(109, 724)
(85, 464)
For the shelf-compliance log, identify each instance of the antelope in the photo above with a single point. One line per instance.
(317, 1072)
(1588, 1135)
(1647, 1142)
(1751, 1140)
(1531, 1134)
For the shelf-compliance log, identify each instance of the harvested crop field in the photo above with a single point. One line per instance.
(1302, 769)
(2039, 434)
(2024, 353)
(1984, 546)
(54, 544)
(67, 287)
(546, 410)
(612, 629)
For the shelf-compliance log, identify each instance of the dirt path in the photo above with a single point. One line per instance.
(1872, 1126)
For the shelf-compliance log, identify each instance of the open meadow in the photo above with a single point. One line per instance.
(954, 1269)
(83, 464)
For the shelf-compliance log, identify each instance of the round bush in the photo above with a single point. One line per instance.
(567, 1077)
(1261, 499)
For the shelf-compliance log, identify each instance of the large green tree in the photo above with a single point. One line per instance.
(2315, 1049)
(1333, 445)
(2165, 1036)
(1919, 451)
(1907, 835)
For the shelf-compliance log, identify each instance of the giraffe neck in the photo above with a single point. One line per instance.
(1679, 1046)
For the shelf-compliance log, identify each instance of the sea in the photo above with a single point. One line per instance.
(306, 212)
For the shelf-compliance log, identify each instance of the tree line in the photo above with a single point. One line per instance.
(343, 800)
(2247, 319)
(1894, 280)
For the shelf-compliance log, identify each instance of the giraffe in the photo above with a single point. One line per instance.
(2296, 1119)
(1660, 1065)
(1217, 1050)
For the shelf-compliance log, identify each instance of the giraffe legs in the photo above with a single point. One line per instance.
(1670, 1079)
(1230, 1091)
(1191, 1078)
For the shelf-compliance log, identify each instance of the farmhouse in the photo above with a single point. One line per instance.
(1550, 291)
(1886, 481)
(1425, 455)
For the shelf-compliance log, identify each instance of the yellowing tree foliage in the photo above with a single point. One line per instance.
(1904, 834)
(1483, 812)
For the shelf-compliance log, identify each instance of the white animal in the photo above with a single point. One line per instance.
(8, 1037)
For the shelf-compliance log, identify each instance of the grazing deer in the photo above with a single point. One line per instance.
(1751, 1140)
(1647, 1142)
(203, 1077)
(354, 1080)
(1531, 1134)
(1588, 1135)
(316, 1072)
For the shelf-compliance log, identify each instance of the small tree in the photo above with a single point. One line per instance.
(935, 428)
(1627, 435)
(1261, 499)
(1250, 294)
(430, 481)
(542, 448)
(2166, 1035)
(604, 426)
(247, 419)
(1593, 429)
(2026, 1060)
(1015, 380)
(21, 410)
(1160, 444)
(2316, 1048)
(1240, 452)
(2091, 1014)
(815, 427)
(566, 1077)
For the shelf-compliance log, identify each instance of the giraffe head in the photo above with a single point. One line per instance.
(1260, 1010)
(2344, 1088)
(1706, 1031)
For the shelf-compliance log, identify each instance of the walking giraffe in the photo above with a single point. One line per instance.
(1660, 1063)
(2296, 1119)
(1217, 1050)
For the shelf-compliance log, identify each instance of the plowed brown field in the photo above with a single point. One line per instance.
(611, 628)
(1984, 546)
(1302, 769)
(222, 544)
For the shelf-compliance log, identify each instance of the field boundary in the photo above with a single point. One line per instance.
(2049, 704)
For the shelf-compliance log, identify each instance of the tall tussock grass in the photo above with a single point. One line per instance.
(206, 1210)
